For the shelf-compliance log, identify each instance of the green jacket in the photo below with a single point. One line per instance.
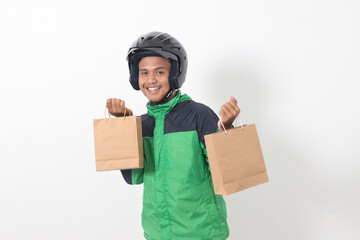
(179, 200)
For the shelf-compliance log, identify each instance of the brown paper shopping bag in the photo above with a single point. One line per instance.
(236, 160)
(118, 143)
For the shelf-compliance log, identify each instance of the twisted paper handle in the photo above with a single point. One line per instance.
(241, 124)
(110, 115)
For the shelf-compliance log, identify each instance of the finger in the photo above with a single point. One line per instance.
(227, 110)
(232, 99)
(109, 105)
(117, 105)
(225, 115)
(113, 105)
(222, 114)
(122, 106)
(233, 107)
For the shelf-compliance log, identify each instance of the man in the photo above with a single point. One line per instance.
(178, 200)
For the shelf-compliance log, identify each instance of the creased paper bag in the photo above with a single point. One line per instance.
(118, 143)
(235, 159)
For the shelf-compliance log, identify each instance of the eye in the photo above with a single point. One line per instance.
(160, 72)
(143, 73)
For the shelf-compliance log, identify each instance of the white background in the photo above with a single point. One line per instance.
(292, 65)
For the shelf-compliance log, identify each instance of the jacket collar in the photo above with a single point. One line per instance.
(165, 108)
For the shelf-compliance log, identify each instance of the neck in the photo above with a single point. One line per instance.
(166, 98)
(173, 94)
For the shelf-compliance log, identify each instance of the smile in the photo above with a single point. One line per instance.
(153, 88)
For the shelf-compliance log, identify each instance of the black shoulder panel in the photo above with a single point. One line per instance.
(181, 118)
(148, 125)
(190, 116)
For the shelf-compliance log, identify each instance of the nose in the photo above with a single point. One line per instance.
(152, 77)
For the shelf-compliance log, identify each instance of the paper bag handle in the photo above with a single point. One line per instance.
(241, 124)
(109, 113)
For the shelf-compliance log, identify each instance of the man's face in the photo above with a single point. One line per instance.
(154, 77)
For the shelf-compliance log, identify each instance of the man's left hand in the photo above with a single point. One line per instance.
(228, 113)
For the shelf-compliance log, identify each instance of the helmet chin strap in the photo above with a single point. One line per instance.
(165, 98)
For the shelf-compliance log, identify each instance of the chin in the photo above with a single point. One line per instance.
(153, 99)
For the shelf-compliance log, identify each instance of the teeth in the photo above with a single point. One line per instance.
(154, 88)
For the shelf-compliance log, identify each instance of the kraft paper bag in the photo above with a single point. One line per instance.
(118, 143)
(235, 159)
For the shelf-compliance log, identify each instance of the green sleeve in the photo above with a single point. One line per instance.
(133, 176)
(137, 175)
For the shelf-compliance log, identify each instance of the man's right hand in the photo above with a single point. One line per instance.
(116, 107)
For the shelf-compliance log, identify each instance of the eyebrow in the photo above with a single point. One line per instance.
(144, 69)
